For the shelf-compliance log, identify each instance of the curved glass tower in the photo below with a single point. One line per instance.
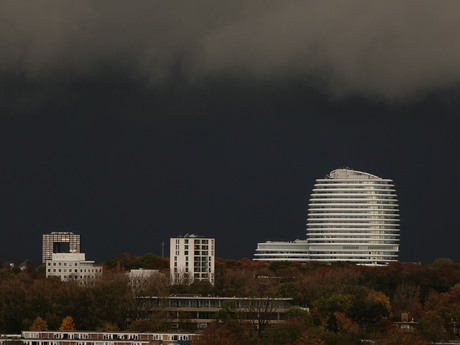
(353, 216)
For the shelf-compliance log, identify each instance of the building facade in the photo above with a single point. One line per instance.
(282, 251)
(353, 216)
(59, 242)
(72, 267)
(192, 258)
(202, 310)
(105, 338)
(141, 279)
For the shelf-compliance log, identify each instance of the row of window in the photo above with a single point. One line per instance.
(76, 270)
(354, 215)
(352, 182)
(196, 241)
(199, 258)
(357, 203)
(350, 230)
(349, 256)
(304, 252)
(63, 264)
(360, 197)
(354, 247)
(160, 337)
(368, 239)
(348, 206)
(353, 211)
(341, 220)
(353, 191)
(331, 226)
(197, 247)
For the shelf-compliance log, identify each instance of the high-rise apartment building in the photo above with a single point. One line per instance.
(59, 242)
(192, 259)
(352, 216)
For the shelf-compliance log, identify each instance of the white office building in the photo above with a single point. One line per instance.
(352, 216)
(59, 242)
(72, 267)
(192, 259)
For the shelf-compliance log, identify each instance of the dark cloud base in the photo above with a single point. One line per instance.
(390, 51)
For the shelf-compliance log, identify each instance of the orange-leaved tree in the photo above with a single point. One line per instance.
(67, 324)
(39, 325)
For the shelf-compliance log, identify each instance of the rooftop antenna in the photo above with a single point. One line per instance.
(163, 248)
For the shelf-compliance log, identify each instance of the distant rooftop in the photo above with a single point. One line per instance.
(349, 174)
(191, 236)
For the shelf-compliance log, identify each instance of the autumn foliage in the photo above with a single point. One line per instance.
(39, 325)
(67, 324)
(346, 302)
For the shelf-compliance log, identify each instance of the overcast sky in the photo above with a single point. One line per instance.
(131, 122)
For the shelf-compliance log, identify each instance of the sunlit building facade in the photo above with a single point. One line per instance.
(282, 251)
(73, 267)
(59, 242)
(353, 216)
(105, 338)
(192, 258)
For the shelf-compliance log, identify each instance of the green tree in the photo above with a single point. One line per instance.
(14, 297)
(369, 308)
(259, 312)
(228, 313)
(396, 336)
(152, 261)
(111, 299)
(406, 298)
(443, 262)
(123, 262)
(336, 302)
(431, 327)
(108, 327)
(332, 323)
(311, 336)
(141, 325)
(288, 332)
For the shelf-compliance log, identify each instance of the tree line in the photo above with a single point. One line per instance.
(346, 302)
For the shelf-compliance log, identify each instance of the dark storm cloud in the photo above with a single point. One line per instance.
(382, 49)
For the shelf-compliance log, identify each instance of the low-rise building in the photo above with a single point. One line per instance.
(141, 273)
(105, 338)
(141, 280)
(202, 309)
(72, 267)
(282, 251)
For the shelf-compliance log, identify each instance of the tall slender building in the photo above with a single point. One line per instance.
(192, 259)
(353, 216)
